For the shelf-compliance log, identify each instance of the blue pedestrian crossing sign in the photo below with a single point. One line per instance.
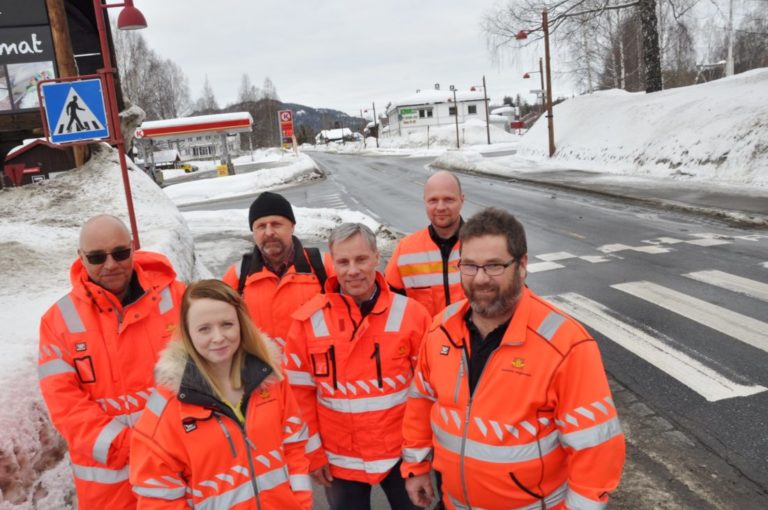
(74, 111)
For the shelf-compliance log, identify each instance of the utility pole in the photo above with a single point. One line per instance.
(487, 118)
(550, 116)
(456, 114)
(65, 58)
(375, 123)
(729, 58)
(543, 90)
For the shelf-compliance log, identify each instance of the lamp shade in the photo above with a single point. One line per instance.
(130, 18)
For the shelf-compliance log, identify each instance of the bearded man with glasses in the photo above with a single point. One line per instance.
(98, 347)
(510, 403)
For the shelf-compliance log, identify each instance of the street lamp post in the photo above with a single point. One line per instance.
(456, 115)
(540, 72)
(130, 18)
(523, 34)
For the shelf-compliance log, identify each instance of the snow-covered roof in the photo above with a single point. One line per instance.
(236, 122)
(167, 156)
(504, 109)
(200, 119)
(334, 134)
(437, 97)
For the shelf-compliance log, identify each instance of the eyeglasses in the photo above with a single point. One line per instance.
(101, 257)
(495, 269)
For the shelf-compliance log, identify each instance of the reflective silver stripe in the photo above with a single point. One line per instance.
(237, 270)
(365, 404)
(156, 403)
(496, 454)
(550, 325)
(319, 327)
(557, 496)
(313, 443)
(166, 301)
(70, 315)
(301, 435)
(417, 454)
(419, 257)
(54, 367)
(244, 491)
(161, 492)
(423, 280)
(129, 419)
(371, 466)
(300, 378)
(575, 501)
(100, 475)
(592, 436)
(454, 255)
(300, 483)
(104, 440)
(396, 313)
(451, 310)
(413, 392)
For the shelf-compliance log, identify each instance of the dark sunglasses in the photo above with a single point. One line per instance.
(99, 257)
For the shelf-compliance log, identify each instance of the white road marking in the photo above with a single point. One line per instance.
(708, 383)
(751, 288)
(594, 259)
(560, 255)
(613, 248)
(664, 240)
(538, 267)
(708, 242)
(741, 327)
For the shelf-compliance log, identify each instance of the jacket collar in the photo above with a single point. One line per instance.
(383, 300)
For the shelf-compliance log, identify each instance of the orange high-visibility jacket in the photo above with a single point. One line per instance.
(540, 425)
(190, 451)
(271, 299)
(351, 374)
(95, 368)
(417, 266)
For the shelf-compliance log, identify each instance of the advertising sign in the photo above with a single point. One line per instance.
(26, 53)
(285, 117)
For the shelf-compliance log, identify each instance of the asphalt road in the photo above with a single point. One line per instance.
(676, 301)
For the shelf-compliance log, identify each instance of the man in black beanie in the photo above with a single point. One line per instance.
(280, 274)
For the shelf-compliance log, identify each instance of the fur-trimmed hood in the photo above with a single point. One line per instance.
(172, 364)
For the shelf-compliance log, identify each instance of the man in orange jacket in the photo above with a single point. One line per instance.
(423, 265)
(349, 359)
(510, 402)
(98, 347)
(280, 275)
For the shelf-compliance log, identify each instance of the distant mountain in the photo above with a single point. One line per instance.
(307, 121)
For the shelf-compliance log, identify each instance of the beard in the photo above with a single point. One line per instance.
(501, 302)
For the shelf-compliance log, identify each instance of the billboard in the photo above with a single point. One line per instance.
(26, 54)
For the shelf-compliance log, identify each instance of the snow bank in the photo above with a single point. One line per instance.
(716, 131)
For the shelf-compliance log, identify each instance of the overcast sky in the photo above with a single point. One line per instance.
(339, 54)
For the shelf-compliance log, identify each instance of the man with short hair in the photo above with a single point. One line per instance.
(510, 401)
(98, 348)
(280, 274)
(423, 265)
(349, 359)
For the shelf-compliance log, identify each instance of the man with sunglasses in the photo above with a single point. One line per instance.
(510, 402)
(98, 347)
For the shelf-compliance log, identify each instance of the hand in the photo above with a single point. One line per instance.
(322, 476)
(419, 489)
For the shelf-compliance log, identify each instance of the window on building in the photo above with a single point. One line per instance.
(472, 109)
(422, 113)
(451, 110)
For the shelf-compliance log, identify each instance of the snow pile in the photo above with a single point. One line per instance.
(716, 131)
(296, 169)
(39, 227)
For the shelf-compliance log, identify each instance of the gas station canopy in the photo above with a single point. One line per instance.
(173, 129)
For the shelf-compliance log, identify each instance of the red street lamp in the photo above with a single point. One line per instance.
(523, 34)
(130, 18)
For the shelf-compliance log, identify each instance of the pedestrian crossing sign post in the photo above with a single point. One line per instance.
(74, 110)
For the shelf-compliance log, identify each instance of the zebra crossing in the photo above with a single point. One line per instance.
(704, 376)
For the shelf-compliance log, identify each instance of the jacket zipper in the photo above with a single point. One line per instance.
(377, 354)
(332, 355)
(227, 434)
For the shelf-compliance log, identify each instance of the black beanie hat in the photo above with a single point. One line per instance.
(268, 204)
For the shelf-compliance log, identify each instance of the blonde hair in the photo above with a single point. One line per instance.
(252, 341)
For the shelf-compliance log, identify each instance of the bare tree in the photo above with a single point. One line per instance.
(207, 101)
(248, 91)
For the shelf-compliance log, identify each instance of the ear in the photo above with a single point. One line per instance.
(523, 262)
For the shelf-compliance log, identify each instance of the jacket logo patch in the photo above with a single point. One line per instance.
(264, 394)
(189, 426)
(518, 363)
(170, 328)
(444, 350)
(403, 350)
(81, 346)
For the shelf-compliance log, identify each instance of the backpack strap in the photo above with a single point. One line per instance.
(316, 261)
(245, 268)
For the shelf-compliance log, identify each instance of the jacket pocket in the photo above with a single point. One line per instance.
(84, 368)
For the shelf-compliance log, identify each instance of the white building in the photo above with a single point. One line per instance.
(434, 108)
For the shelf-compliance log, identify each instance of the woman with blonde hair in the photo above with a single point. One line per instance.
(222, 430)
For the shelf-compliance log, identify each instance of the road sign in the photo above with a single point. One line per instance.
(74, 111)
(286, 115)
(536, 91)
